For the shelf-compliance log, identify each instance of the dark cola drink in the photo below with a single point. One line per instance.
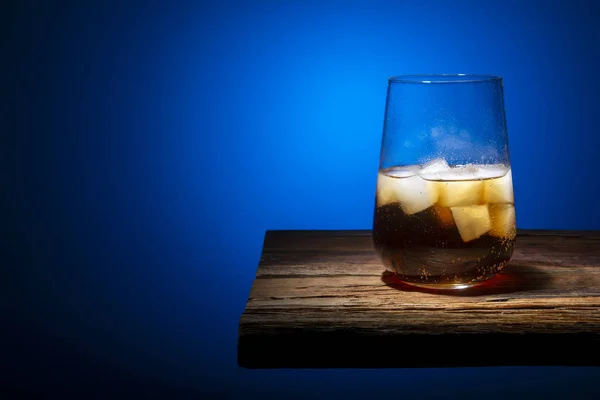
(445, 226)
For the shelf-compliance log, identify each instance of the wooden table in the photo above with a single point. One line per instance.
(321, 299)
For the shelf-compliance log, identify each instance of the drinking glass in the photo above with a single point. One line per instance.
(444, 211)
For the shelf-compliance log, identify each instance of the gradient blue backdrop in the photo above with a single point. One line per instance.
(151, 143)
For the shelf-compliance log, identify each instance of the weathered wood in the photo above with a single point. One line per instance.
(321, 299)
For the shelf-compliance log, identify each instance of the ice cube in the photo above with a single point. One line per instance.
(413, 193)
(472, 221)
(403, 172)
(503, 220)
(460, 193)
(463, 185)
(416, 194)
(499, 190)
(386, 190)
(386, 183)
(433, 168)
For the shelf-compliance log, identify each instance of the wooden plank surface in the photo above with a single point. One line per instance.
(321, 299)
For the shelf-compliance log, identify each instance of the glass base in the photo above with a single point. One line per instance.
(445, 286)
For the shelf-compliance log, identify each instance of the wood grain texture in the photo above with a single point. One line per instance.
(321, 299)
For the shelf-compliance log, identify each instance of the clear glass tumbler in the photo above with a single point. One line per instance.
(444, 212)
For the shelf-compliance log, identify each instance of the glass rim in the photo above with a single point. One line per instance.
(443, 78)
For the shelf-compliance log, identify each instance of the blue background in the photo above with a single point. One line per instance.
(151, 143)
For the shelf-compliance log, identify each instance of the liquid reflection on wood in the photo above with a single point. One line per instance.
(322, 299)
(515, 278)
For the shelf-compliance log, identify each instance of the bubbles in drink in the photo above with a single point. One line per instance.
(438, 223)
(503, 219)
